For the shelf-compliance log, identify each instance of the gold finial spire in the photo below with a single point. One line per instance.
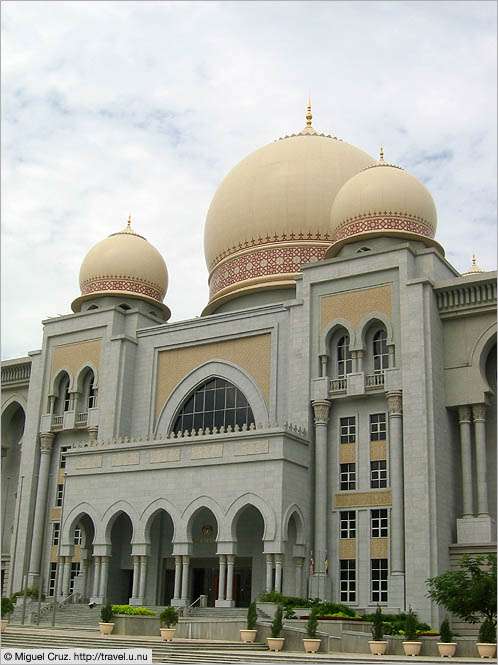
(308, 115)
(129, 221)
(381, 152)
(473, 259)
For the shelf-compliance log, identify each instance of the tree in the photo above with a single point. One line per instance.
(469, 593)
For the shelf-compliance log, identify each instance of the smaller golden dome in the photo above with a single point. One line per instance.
(382, 199)
(124, 264)
(474, 268)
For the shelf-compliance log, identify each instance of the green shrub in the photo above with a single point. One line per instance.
(31, 592)
(411, 632)
(487, 632)
(128, 609)
(445, 631)
(169, 617)
(394, 624)
(252, 616)
(277, 623)
(312, 625)
(106, 613)
(7, 607)
(378, 625)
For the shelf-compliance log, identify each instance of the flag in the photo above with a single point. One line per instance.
(312, 564)
(326, 563)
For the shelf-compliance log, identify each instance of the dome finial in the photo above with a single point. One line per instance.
(129, 221)
(308, 115)
(381, 152)
(473, 258)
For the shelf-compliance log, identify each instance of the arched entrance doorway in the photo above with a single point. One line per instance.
(204, 560)
(249, 571)
(161, 574)
(120, 581)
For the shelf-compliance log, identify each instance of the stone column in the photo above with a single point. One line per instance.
(299, 560)
(92, 433)
(96, 577)
(221, 578)
(321, 409)
(67, 576)
(390, 351)
(479, 413)
(103, 577)
(230, 565)
(359, 363)
(84, 578)
(178, 577)
(323, 364)
(136, 575)
(46, 442)
(278, 573)
(60, 590)
(395, 407)
(269, 572)
(464, 418)
(143, 578)
(186, 564)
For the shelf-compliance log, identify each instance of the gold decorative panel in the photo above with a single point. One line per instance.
(362, 499)
(379, 548)
(250, 353)
(378, 450)
(74, 356)
(347, 548)
(55, 515)
(354, 306)
(347, 453)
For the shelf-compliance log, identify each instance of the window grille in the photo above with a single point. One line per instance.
(348, 476)
(379, 590)
(344, 357)
(348, 429)
(379, 523)
(380, 354)
(378, 427)
(348, 524)
(378, 474)
(348, 580)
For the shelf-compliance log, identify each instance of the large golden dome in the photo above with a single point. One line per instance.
(271, 213)
(124, 264)
(383, 199)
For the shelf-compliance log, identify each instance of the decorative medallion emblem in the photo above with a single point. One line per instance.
(207, 530)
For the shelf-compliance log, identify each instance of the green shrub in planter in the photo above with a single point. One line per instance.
(128, 609)
(169, 617)
(411, 632)
(7, 607)
(487, 632)
(378, 625)
(106, 613)
(277, 624)
(252, 616)
(445, 632)
(312, 625)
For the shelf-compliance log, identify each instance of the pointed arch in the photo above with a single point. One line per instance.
(374, 318)
(294, 510)
(109, 517)
(142, 534)
(74, 516)
(331, 330)
(215, 368)
(80, 376)
(56, 379)
(480, 351)
(187, 517)
(15, 398)
(250, 499)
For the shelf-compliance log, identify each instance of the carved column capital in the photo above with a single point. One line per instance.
(479, 412)
(321, 407)
(143, 559)
(92, 432)
(178, 559)
(230, 559)
(223, 558)
(46, 441)
(278, 558)
(464, 414)
(185, 559)
(269, 558)
(395, 403)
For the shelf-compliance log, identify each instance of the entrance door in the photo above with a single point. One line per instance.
(242, 586)
(169, 586)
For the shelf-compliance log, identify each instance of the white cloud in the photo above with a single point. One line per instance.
(143, 107)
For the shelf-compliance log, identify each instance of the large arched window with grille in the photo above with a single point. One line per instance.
(216, 403)
(344, 357)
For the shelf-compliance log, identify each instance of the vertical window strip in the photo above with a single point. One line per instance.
(348, 580)
(379, 581)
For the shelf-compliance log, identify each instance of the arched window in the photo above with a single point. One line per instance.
(216, 403)
(92, 397)
(63, 401)
(380, 354)
(344, 358)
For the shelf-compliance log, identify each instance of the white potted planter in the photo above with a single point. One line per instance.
(275, 643)
(167, 634)
(311, 645)
(447, 649)
(412, 648)
(377, 647)
(106, 628)
(486, 649)
(247, 636)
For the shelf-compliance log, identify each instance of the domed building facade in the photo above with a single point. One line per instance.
(326, 428)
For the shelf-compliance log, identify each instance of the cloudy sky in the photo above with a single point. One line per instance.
(111, 108)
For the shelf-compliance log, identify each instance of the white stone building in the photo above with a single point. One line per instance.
(333, 408)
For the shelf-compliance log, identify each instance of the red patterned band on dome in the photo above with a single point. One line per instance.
(383, 223)
(131, 285)
(270, 261)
